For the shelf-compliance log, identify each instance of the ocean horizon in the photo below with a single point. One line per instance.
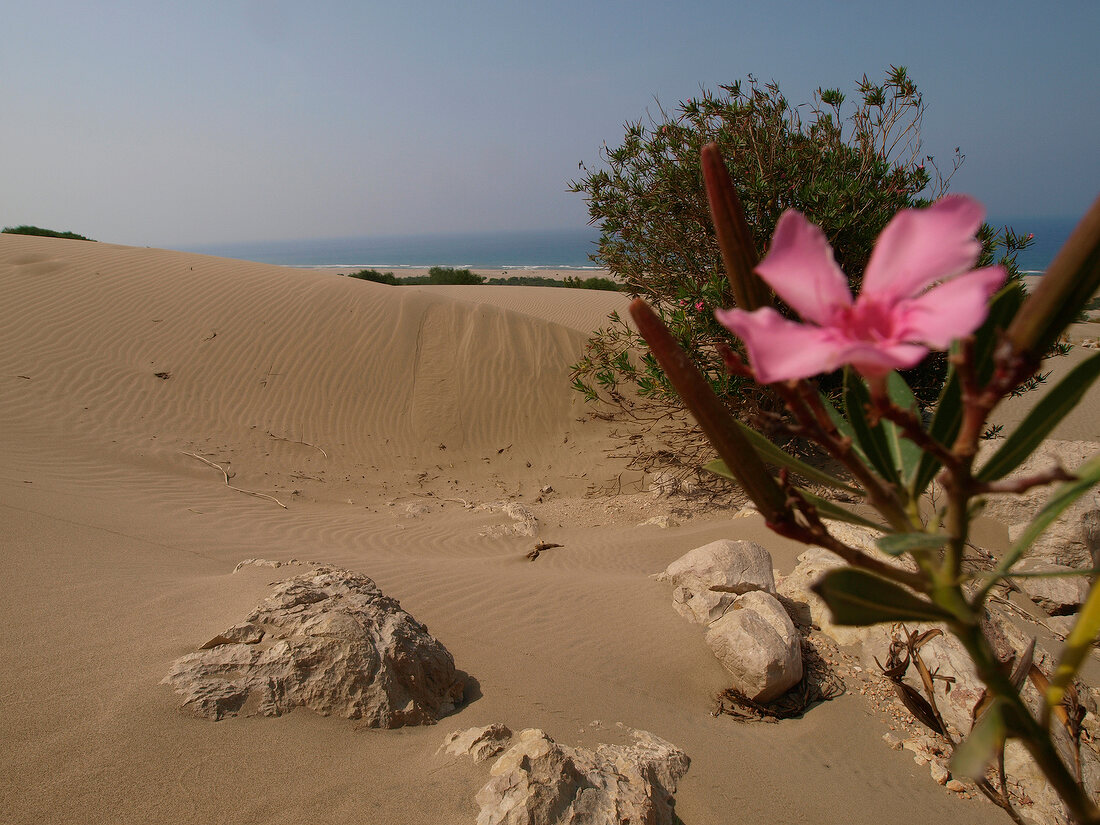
(561, 249)
(521, 250)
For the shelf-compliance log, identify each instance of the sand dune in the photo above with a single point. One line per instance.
(348, 402)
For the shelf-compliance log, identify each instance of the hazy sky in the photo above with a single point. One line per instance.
(172, 124)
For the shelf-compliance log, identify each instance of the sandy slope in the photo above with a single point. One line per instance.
(347, 401)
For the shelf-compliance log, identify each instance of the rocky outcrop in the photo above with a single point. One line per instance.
(330, 641)
(1058, 596)
(1074, 539)
(708, 579)
(758, 644)
(478, 743)
(536, 781)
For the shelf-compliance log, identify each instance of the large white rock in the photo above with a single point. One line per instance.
(709, 578)
(813, 563)
(756, 641)
(328, 640)
(536, 781)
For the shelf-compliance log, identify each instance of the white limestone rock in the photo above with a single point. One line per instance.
(539, 782)
(709, 578)
(807, 606)
(756, 641)
(1057, 596)
(328, 640)
(1074, 539)
(478, 743)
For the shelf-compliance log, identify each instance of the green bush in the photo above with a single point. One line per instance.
(450, 275)
(375, 275)
(595, 282)
(45, 233)
(848, 174)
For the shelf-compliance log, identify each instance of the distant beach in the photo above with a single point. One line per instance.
(555, 249)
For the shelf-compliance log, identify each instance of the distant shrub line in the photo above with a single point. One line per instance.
(450, 275)
(44, 233)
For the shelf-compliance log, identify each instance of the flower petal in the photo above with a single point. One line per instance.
(949, 311)
(800, 267)
(779, 349)
(921, 246)
(873, 360)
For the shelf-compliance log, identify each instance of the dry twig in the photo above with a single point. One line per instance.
(296, 441)
(230, 486)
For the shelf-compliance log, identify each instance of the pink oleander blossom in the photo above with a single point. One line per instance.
(895, 319)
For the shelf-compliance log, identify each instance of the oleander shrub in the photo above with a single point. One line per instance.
(848, 168)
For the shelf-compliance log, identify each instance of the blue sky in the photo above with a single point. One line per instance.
(175, 124)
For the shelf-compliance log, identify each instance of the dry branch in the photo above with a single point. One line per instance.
(225, 473)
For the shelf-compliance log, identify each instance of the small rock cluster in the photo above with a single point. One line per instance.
(536, 781)
(729, 588)
(524, 522)
(328, 640)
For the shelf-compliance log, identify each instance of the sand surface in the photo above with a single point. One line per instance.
(348, 402)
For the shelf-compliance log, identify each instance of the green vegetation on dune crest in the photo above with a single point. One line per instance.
(44, 233)
(445, 275)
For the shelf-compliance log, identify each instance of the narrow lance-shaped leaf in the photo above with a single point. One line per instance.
(1078, 643)
(717, 424)
(906, 455)
(842, 425)
(1088, 475)
(871, 440)
(773, 455)
(948, 415)
(899, 543)
(856, 597)
(981, 747)
(1042, 419)
(834, 512)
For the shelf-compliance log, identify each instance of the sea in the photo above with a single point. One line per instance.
(561, 249)
(557, 249)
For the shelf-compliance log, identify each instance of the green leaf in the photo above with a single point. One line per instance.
(981, 747)
(1078, 643)
(856, 597)
(719, 468)
(948, 415)
(898, 543)
(773, 455)
(1038, 424)
(871, 440)
(1088, 475)
(834, 512)
(1057, 574)
(905, 453)
(842, 425)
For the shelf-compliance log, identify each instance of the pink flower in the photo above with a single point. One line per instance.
(699, 306)
(895, 320)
